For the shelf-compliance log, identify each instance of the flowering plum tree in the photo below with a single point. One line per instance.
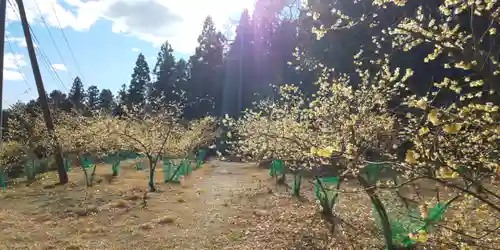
(455, 145)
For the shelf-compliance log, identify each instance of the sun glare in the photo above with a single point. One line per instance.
(229, 7)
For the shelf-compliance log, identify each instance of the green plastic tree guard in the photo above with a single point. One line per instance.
(189, 168)
(200, 159)
(114, 161)
(67, 164)
(326, 190)
(42, 166)
(115, 168)
(139, 166)
(202, 153)
(172, 173)
(277, 168)
(372, 173)
(404, 220)
(86, 162)
(181, 171)
(29, 169)
(167, 170)
(2, 180)
(410, 222)
(297, 181)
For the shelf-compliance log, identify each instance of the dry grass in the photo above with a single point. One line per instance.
(221, 206)
(112, 215)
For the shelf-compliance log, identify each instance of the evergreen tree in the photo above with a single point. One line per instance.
(59, 101)
(106, 100)
(121, 100)
(77, 94)
(274, 42)
(92, 98)
(34, 107)
(164, 85)
(140, 79)
(122, 95)
(283, 46)
(239, 79)
(205, 86)
(181, 75)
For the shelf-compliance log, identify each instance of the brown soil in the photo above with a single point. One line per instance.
(221, 206)
(112, 214)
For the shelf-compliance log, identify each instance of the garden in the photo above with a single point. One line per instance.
(369, 165)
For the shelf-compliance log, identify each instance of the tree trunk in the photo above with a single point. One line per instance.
(152, 169)
(384, 218)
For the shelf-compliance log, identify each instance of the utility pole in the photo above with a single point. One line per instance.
(63, 175)
(3, 13)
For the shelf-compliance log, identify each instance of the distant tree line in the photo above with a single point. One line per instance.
(275, 44)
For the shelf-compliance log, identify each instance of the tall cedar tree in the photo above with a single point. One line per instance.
(136, 94)
(106, 101)
(181, 75)
(76, 95)
(164, 84)
(59, 101)
(240, 78)
(92, 98)
(121, 100)
(265, 20)
(205, 87)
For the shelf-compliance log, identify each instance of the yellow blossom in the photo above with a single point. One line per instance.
(422, 236)
(323, 152)
(433, 117)
(313, 151)
(412, 156)
(447, 173)
(452, 128)
(423, 130)
(421, 104)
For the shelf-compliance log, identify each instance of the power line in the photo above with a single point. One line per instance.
(40, 52)
(46, 61)
(45, 58)
(6, 101)
(67, 43)
(18, 66)
(48, 65)
(51, 37)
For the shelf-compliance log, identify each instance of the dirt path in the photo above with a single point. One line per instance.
(209, 225)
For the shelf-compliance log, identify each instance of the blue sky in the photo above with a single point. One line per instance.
(105, 36)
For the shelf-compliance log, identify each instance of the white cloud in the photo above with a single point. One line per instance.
(54, 13)
(136, 50)
(12, 66)
(179, 22)
(59, 66)
(19, 41)
(10, 75)
(154, 21)
(14, 61)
